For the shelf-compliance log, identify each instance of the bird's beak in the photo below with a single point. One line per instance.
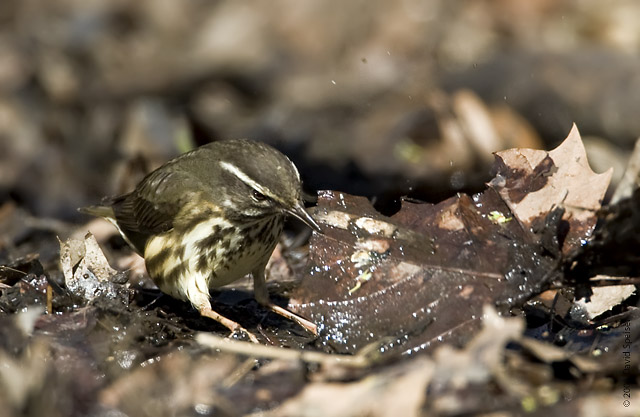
(301, 213)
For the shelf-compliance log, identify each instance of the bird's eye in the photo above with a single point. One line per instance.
(258, 196)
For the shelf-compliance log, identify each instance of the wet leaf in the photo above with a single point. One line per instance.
(613, 249)
(400, 390)
(19, 268)
(603, 299)
(87, 272)
(422, 276)
(483, 355)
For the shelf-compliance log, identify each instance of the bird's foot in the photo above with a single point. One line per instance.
(306, 324)
(241, 329)
(229, 324)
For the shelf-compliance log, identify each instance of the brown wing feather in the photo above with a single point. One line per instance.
(152, 207)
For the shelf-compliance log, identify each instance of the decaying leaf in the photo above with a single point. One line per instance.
(400, 390)
(613, 249)
(179, 382)
(482, 355)
(396, 392)
(532, 182)
(20, 377)
(87, 272)
(423, 275)
(603, 299)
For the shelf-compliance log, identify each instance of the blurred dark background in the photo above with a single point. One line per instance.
(383, 99)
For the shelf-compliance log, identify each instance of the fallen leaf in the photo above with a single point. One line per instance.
(482, 356)
(603, 299)
(87, 272)
(395, 392)
(423, 275)
(613, 249)
(532, 182)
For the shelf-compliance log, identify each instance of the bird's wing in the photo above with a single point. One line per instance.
(153, 206)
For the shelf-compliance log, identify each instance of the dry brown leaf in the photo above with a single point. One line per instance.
(396, 392)
(87, 272)
(532, 182)
(603, 299)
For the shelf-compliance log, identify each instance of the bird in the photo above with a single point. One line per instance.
(210, 217)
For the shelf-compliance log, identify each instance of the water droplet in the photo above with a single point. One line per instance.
(203, 409)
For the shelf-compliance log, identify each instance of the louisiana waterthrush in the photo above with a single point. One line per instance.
(209, 217)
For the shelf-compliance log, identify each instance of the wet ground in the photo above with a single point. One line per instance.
(446, 279)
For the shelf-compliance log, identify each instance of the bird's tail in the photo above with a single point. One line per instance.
(98, 211)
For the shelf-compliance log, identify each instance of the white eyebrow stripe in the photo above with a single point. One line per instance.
(295, 169)
(243, 177)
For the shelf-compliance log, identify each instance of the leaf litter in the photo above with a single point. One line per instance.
(422, 276)
(414, 310)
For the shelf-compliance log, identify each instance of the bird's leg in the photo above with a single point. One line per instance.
(197, 292)
(207, 311)
(262, 296)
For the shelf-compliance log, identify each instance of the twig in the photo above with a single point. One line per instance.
(239, 372)
(271, 352)
(611, 281)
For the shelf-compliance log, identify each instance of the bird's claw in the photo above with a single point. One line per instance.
(240, 330)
